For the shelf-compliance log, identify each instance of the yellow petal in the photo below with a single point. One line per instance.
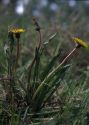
(15, 30)
(80, 42)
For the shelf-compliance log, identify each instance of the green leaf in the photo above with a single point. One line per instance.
(49, 66)
(49, 88)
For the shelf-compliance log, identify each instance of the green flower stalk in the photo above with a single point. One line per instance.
(10, 54)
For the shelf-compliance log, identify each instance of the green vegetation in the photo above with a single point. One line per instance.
(41, 91)
(44, 67)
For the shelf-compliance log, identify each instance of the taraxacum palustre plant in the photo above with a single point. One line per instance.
(38, 87)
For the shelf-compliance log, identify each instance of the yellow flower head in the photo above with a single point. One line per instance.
(17, 30)
(80, 42)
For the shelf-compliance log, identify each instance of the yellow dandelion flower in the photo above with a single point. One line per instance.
(17, 30)
(80, 42)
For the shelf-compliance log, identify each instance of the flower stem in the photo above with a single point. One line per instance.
(18, 51)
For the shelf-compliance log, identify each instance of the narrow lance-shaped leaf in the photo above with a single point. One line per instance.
(48, 87)
(49, 66)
